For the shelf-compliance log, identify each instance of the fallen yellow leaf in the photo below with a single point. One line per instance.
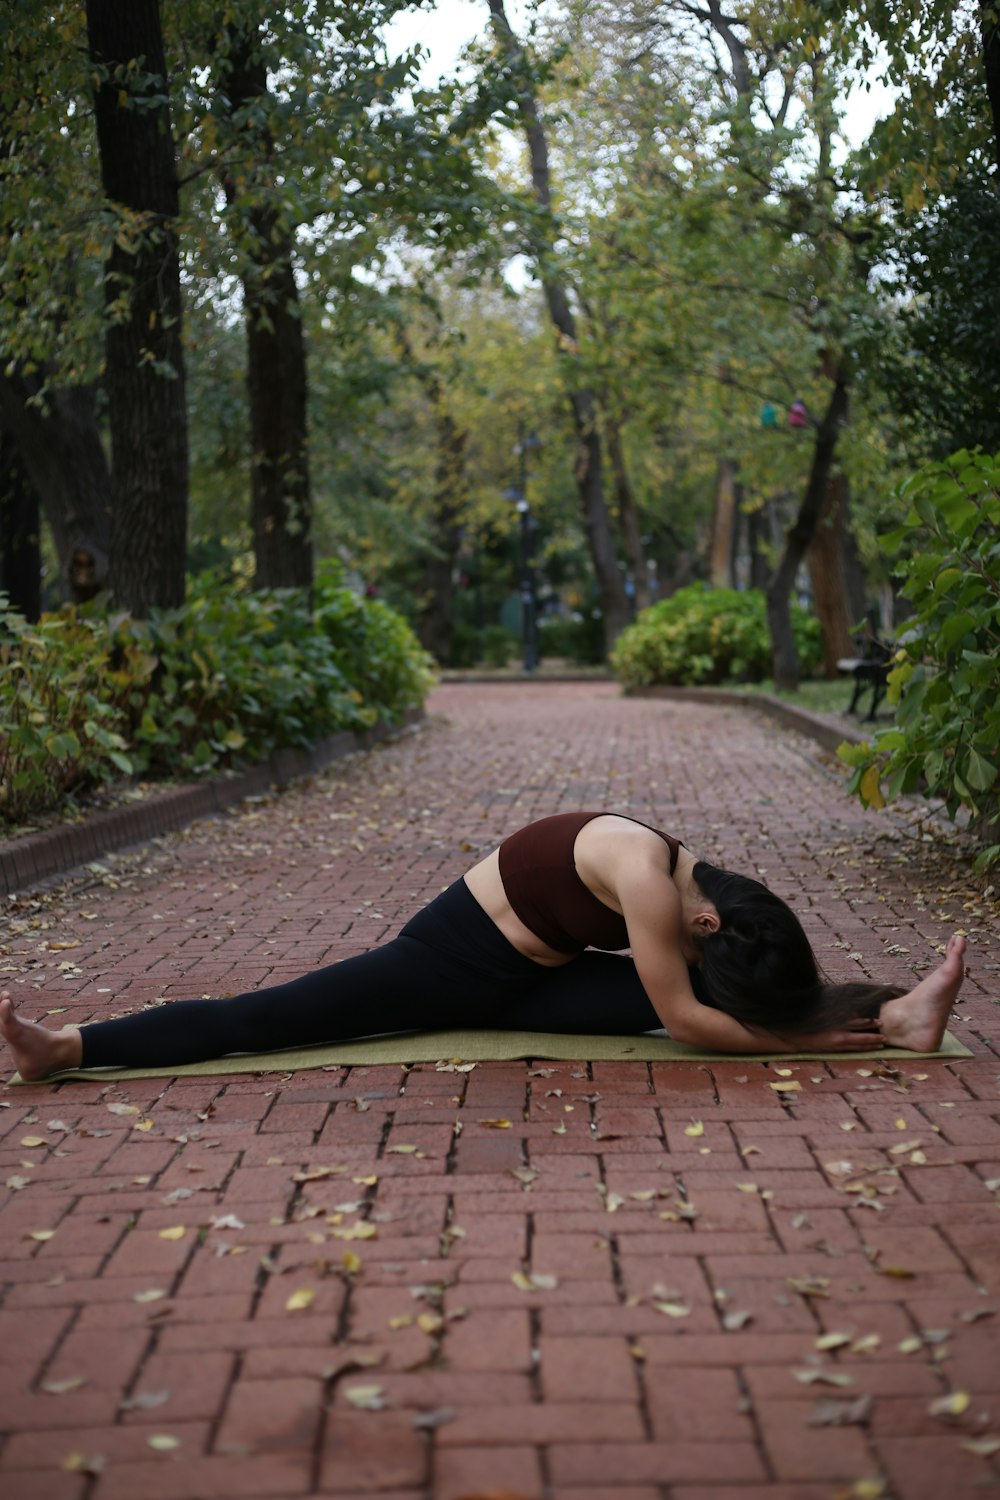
(953, 1405)
(304, 1297)
(175, 1232)
(696, 1128)
(366, 1397)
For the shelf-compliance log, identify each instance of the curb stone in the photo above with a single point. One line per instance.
(824, 729)
(52, 851)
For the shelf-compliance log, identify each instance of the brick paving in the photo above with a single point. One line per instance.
(726, 1281)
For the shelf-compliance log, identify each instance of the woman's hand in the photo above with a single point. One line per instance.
(860, 1035)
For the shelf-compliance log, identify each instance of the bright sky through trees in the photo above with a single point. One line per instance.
(447, 28)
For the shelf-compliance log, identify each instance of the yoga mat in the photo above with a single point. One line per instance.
(485, 1046)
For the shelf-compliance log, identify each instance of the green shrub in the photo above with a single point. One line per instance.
(228, 678)
(577, 638)
(705, 635)
(58, 730)
(384, 663)
(946, 682)
(498, 645)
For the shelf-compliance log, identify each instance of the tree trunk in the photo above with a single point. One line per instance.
(277, 381)
(588, 470)
(826, 555)
(435, 617)
(990, 31)
(720, 559)
(756, 536)
(62, 453)
(851, 566)
(629, 515)
(145, 361)
(20, 525)
(800, 534)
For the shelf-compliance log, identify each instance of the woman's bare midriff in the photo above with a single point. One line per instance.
(590, 852)
(486, 886)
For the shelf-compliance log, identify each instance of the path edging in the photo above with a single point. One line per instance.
(829, 735)
(52, 851)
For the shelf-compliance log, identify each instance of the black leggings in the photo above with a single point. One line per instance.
(449, 967)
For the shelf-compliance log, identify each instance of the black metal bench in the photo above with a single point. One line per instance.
(870, 671)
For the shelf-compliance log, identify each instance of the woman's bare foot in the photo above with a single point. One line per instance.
(917, 1020)
(37, 1050)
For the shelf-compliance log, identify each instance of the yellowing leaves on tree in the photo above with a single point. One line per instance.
(870, 788)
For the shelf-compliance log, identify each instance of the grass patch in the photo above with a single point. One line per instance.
(818, 697)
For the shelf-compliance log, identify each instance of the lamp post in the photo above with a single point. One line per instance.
(526, 443)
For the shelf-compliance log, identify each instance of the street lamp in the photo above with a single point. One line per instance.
(527, 443)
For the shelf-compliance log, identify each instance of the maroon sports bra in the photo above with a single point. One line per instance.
(541, 883)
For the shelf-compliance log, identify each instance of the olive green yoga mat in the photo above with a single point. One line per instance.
(485, 1046)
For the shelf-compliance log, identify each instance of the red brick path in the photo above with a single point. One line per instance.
(753, 1282)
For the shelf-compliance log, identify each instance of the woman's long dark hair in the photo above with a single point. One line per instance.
(760, 967)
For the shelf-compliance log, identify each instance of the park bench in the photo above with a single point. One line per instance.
(870, 671)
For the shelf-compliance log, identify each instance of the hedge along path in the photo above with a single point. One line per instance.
(562, 1279)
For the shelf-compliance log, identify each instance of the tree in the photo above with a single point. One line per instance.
(734, 193)
(588, 469)
(145, 363)
(20, 526)
(49, 314)
(277, 382)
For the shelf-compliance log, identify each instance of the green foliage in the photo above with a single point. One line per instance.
(577, 638)
(226, 679)
(58, 730)
(705, 635)
(938, 358)
(945, 743)
(498, 646)
(377, 652)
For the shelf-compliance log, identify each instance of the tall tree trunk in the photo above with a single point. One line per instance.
(990, 32)
(435, 619)
(851, 567)
(800, 534)
(277, 380)
(825, 556)
(720, 558)
(588, 470)
(757, 535)
(20, 524)
(145, 361)
(628, 514)
(60, 447)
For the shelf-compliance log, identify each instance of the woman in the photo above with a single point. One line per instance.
(718, 960)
